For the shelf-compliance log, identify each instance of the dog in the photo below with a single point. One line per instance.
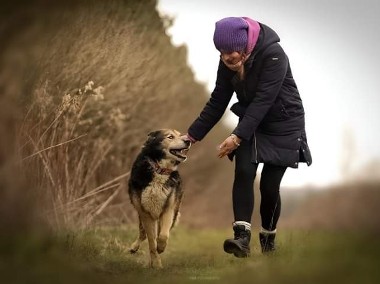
(155, 189)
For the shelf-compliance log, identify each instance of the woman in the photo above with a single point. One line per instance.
(271, 128)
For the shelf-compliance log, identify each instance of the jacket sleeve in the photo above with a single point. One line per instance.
(271, 77)
(215, 107)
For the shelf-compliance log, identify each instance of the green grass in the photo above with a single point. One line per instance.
(193, 256)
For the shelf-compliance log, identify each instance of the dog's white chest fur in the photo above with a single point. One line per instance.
(155, 195)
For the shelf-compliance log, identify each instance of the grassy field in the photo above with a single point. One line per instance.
(101, 256)
(81, 85)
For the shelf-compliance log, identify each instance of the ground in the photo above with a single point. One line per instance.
(101, 256)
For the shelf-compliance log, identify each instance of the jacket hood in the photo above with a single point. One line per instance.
(267, 37)
(253, 34)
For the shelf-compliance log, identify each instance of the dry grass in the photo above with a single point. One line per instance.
(67, 145)
(88, 80)
(77, 139)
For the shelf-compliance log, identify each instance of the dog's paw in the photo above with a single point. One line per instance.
(134, 248)
(156, 264)
(161, 244)
(161, 248)
(133, 251)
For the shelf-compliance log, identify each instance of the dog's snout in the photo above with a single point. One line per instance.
(186, 139)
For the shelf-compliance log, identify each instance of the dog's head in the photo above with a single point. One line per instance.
(167, 144)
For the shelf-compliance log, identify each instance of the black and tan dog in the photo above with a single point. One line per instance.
(155, 189)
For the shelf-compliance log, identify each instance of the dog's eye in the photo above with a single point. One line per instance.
(171, 137)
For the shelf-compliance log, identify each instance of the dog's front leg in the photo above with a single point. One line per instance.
(150, 226)
(166, 222)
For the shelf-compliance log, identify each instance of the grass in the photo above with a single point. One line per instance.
(101, 256)
(75, 145)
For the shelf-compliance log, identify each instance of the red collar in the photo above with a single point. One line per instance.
(159, 170)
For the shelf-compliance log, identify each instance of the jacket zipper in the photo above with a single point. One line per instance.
(244, 93)
(254, 137)
(245, 97)
(254, 134)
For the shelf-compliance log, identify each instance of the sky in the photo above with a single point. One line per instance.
(333, 48)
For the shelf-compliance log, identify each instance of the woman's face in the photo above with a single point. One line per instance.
(233, 60)
(232, 57)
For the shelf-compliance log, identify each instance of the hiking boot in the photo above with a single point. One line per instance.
(239, 245)
(267, 242)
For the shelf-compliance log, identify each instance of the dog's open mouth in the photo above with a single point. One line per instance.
(180, 153)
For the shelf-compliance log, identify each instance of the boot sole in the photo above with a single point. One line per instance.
(232, 248)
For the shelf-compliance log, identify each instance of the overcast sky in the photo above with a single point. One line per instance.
(333, 47)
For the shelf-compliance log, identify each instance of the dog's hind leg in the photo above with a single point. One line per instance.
(141, 237)
(177, 214)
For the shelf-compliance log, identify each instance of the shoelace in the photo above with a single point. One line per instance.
(241, 234)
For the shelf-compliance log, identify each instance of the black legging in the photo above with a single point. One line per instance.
(242, 192)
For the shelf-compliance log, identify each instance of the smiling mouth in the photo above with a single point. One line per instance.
(180, 153)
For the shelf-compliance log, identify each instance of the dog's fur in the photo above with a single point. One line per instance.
(155, 189)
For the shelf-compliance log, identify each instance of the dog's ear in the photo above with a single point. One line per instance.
(151, 137)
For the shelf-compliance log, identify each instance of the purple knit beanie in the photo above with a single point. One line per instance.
(231, 34)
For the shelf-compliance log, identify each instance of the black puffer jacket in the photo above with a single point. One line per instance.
(269, 107)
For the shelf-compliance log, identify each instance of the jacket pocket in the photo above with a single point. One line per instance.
(277, 112)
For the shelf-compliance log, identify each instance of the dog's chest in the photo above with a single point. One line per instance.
(155, 196)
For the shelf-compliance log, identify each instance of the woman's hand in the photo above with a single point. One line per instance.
(228, 145)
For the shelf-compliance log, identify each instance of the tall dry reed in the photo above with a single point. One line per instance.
(90, 79)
